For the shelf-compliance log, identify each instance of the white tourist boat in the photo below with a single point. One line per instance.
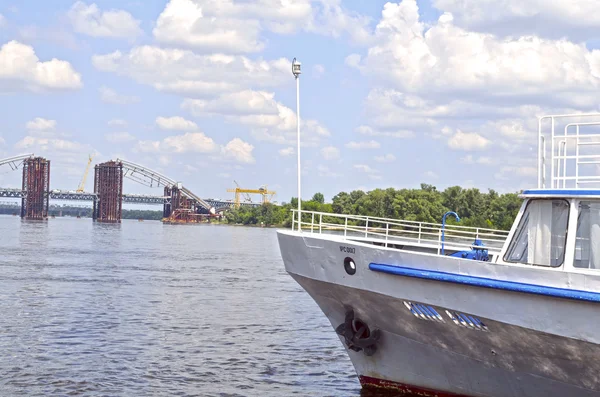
(457, 311)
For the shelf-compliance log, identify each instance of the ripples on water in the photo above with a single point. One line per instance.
(145, 309)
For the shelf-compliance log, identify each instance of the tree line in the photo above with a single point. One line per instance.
(427, 204)
(83, 212)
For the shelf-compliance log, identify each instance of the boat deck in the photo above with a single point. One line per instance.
(401, 234)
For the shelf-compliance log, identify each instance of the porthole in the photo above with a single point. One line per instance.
(349, 266)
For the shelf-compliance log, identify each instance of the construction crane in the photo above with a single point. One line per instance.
(85, 174)
(263, 191)
(247, 197)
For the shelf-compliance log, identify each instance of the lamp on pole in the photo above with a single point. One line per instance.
(296, 71)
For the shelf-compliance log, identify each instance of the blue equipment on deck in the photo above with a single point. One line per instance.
(477, 252)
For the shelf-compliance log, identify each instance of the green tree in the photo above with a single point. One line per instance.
(319, 198)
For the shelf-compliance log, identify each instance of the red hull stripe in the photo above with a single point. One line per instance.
(367, 381)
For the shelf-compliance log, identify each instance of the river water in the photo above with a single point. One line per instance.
(146, 309)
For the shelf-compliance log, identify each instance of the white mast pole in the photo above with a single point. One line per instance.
(296, 71)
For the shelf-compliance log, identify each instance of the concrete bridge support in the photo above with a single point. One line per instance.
(179, 208)
(108, 186)
(36, 188)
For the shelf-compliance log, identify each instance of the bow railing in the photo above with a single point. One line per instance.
(395, 232)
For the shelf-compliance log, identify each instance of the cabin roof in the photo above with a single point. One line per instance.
(561, 193)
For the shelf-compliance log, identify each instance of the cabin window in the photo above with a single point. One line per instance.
(587, 243)
(541, 235)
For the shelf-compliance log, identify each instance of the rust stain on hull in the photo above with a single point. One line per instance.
(401, 388)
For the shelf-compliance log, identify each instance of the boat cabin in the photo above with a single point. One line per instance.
(559, 223)
(556, 228)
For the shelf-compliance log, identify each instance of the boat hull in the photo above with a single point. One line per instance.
(428, 357)
(421, 353)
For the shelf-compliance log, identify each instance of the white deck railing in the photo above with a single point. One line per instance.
(569, 151)
(398, 232)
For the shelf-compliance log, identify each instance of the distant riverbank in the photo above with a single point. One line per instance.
(83, 212)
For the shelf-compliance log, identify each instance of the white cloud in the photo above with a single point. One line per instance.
(469, 159)
(148, 146)
(467, 141)
(431, 175)
(388, 158)
(326, 172)
(183, 23)
(443, 59)
(399, 115)
(89, 20)
(119, 137)
(510, 172)
(232, 26)
(48, 144)
(363, 145)
(331, 19)
(164, 160)
(2, 21)
(21, 70)
(318, 71)
(513, 129)
(193, 142)
(269, 120)
(238, 150)
(186, 73)
(366, 130)
(549, 18)
(365, 168)
(330, 153)
(41, 124)
(288, 151)
(245, 104)
(110, 96)
(117, 123)
(68, 156)
(176, 123)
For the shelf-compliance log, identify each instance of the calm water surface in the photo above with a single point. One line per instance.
(146, 309)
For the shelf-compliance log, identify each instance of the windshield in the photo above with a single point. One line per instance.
(541, 235)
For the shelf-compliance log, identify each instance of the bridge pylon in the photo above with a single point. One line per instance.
(108, 187)
(36, 188)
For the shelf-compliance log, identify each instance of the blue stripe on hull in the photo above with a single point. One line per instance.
(486, 282)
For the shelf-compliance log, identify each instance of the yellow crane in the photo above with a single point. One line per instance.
(85, 174)
(263, 191)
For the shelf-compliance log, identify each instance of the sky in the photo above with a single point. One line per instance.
(392, 94)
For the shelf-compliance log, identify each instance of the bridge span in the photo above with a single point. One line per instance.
(179, 203)
(69, 195)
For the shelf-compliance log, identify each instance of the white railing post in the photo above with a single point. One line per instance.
(552, 157)
(312, 222)
(367, 228)
(320, 223)
(387, 230)
(419, 238)
(345, 227)
(577, 160)
(293, 219)
(439, 241)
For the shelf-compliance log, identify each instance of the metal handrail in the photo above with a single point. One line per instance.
(565, 156)
(391, 231)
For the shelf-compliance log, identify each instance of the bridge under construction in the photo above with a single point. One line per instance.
(180, 205)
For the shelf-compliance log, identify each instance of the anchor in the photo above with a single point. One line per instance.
(357, 334)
